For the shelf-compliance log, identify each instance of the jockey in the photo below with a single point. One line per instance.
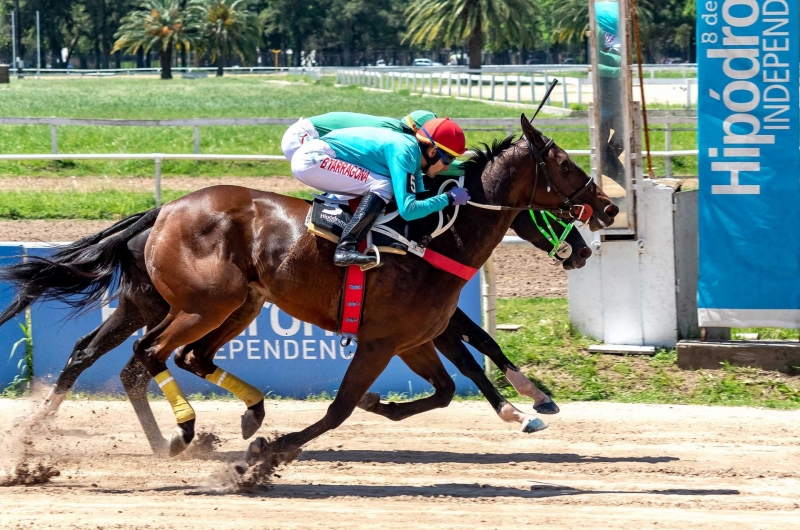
(379, 164)
(317, 126)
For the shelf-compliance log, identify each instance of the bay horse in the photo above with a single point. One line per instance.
(217, 254)
(143, 306)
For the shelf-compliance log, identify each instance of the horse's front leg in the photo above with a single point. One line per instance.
(449, 343)
(425, 362)
(369, 361)
(463, 327)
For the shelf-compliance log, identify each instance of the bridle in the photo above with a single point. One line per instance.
(570, 210)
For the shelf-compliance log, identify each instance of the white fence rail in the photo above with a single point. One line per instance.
(508, 124)
(491, 86)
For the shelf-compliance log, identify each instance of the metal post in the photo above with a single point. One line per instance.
(488, 306)
(13, 41)
(491, 90)
(469, 86)
(197, 139)
(505, 88)
(480, 86)
(381, 79)
(564, 94)
(158, 182)
(415, 81)
(439, 87)
(533, 89)
(580, 91)
(668, 147)
(519, 89)
(53, 139)
(38, 47)
(449, 83)
(688, 93)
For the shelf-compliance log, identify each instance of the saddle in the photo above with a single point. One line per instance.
(390, 234)
(328, 216)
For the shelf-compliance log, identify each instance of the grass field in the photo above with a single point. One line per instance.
(554, 355)
(137, 98)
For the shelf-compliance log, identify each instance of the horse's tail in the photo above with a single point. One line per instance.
(79, 273)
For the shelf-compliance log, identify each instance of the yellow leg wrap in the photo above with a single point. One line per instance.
(183, 411)
(246, 392)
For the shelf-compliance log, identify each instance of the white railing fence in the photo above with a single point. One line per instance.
(497, 86)
(508, 124)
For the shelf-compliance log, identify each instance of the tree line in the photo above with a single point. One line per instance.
(106, 33)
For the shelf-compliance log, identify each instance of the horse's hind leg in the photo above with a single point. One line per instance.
(449, 343)
(463, 326)
(110, 334)
(198, 358)
(135, 379)
(425, 362)
(177, 329)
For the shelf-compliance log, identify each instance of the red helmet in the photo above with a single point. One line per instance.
(446, 134)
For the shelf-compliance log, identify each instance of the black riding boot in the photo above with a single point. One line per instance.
(363, 218)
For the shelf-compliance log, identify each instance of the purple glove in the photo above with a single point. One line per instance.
(458, 196)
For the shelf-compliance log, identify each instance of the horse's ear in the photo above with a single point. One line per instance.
(527, 128)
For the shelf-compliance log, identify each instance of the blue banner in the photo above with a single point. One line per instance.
(12, 352)
(278, 354)
(749, 163)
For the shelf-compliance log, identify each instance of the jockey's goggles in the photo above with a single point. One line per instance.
(444, 157)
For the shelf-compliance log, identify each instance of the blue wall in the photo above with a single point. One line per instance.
(278, 354)
(11, 332)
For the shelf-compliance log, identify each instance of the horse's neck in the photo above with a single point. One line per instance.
(477, 231)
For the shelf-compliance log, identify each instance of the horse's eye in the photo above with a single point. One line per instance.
(565, 166)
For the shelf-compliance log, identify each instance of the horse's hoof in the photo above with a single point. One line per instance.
(160, 448)
(535, 425)
(369, 400)
(178, 442)
(250, 423)
(549, 407)
(256, 450)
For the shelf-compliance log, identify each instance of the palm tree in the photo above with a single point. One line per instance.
(449, 22)
(230, 29)
(162, 25)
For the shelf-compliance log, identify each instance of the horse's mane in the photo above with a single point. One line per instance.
(483, 154)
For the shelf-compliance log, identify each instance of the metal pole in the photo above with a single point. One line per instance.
(688, 93)
(505, 88)
(668, 147)
(519, 88)
(580, 91)
(196, 139)
(564, 94)
(158, 182)
(38, 47)
(488, 306)
(13, 42)
(53, 139)
(491, 89)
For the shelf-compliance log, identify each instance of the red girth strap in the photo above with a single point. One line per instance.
(448, 265)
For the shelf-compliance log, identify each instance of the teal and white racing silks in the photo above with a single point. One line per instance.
(390, 153)
(332, 121)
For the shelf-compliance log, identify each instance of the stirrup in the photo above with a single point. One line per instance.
(346, 339)
(376, 263)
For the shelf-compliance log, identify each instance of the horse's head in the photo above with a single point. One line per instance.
(526, 227)
(556, 181)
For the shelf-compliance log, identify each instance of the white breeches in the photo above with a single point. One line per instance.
(315, 164)
(298, 133)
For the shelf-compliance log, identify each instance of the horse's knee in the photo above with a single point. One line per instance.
(447, 390)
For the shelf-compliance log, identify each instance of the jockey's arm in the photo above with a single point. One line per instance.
(407, 204)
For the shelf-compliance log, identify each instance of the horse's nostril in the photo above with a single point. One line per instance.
(585, 252)
(611, 210)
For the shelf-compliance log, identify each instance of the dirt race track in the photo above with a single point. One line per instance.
(598, 465)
